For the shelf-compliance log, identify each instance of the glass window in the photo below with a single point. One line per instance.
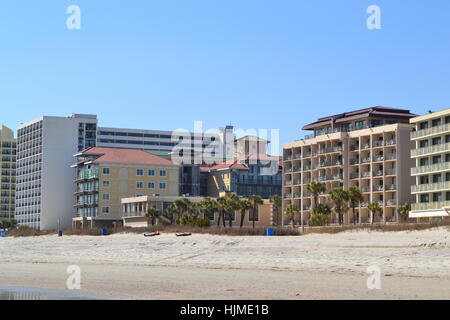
(437, 197)
(151, 172)
(106, 171)
(105, 197)
(436, 122)
(151, 185)
(437, 178)
(105, 210)
(423, 125)
(424, 198)
(162, 185)
(424, 161)
(106, 184)
(140, 185)
(437, 159)
(423, 143)
(162, 173)
(437, 140)
(140, 172)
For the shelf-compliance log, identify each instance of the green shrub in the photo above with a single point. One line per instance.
(201, 223)
(318, 220)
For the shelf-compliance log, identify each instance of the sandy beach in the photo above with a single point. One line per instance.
(414, 265)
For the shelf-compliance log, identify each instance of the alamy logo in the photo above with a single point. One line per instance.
(374, 20)
(73, 22)
(374, 280)
(74, 280)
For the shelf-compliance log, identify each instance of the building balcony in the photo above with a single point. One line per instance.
(306, 208)
(378, 173)
(391, 202)
(431, 187)
(365, 189)
(354, 147)
(378, 159)
(378, 188)
(364, 204)
(297, 195)
(367, 174)
(365, 160)
(354, 176)
(288, 196)
(354, 162)
(438, 167)
(390, 172)
(430, 150)
(429, 206)
(390, 142)
(377, 144)
(437, 130)
(391, 187)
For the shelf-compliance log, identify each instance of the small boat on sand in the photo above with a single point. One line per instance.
(151, 234)
(183, 234)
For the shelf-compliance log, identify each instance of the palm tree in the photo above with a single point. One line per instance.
(315, 188)
(222, 205)
(232, 205)
(181, 206)
(404, 210)
(152, 214)
(276, 201)
(290, 211)
(244, 205)
(169, 212)
(208, 207)
(355, 196)
(339, 197)
(374, 208)
(256, 201)
(320, 215)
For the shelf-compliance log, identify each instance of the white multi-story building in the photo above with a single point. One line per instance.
(44, 183)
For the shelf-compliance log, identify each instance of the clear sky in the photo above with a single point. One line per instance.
(263, 64)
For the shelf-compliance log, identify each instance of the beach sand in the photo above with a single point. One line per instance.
(414, 265)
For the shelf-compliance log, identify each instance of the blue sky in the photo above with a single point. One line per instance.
(162, 64)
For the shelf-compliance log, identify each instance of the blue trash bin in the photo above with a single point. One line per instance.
(2, 234)
(269, 232)
(60, 233)
(104, 232)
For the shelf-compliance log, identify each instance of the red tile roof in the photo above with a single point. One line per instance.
(125, 156)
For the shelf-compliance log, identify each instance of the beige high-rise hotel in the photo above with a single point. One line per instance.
(368, 148)
(431, 172)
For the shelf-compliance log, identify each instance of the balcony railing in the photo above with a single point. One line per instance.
(429, 150)
(378, 188)
(378, 173)
(377, 144)
(431, 187)
(378, 158)
(429, 206)
(354, 161)
(390, 142)
(365, 189)
(445, 166)
(391, 172)
(391, 202)
(354, 176)
(391, 187)
(430, 131)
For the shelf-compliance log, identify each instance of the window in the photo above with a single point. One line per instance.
(437, 141)
(151, 173)
(447, 196)
(106, 197)
(106, 171)
(162, 173)
(447, 119)
(423, 125)
(437, 178)
(151, 185)
(424, 161)
(140, 172)
(139, 185)
(105, 184)
(447, 176)
(424, 198)
(447, 157)
(437, 197)
(105, 210)
(423, 143)
(162, 185)
(437, 159)
(447, 138)
(436, 122)
(424, 180)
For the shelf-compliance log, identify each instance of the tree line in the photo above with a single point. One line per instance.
(341, 202)
(185, 212)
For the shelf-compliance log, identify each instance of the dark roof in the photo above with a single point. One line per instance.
(374, 112)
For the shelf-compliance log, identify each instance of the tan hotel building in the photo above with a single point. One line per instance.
(431, 172)
(368, 148)
(106, 175)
